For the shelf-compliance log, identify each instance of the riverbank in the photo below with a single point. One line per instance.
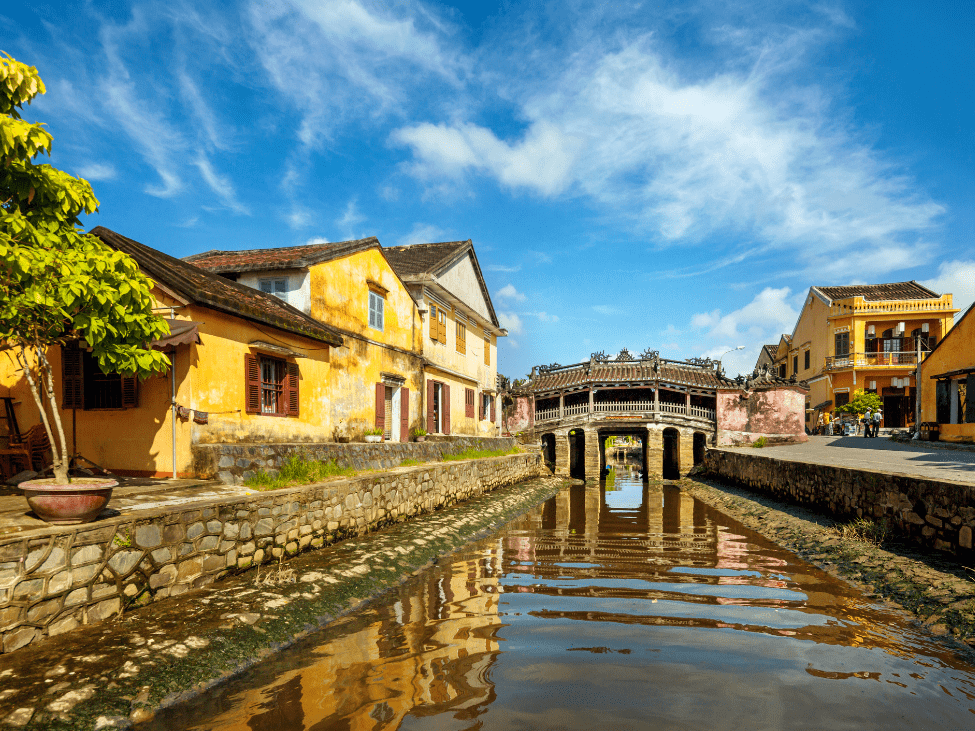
(121, 671)
(938, 591)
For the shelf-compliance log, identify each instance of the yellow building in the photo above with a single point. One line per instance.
(459, 342)
(948, 383)
(376, 380)
(248, 367)
(864, 336)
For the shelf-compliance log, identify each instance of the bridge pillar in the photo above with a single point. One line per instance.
(654, 446)
(562, 453)
(593, 467)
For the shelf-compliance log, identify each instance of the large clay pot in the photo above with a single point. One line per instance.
(78, 502)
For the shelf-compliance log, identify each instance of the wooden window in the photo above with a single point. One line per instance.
(461, 337)
(795, 364)
(377, 310)
(469, 403)
(404, 414)
(493, 412)
(438, 324)
(487, 350)
(485, 405)
(806, 359)
(842, 344)
(270, 386)
(84, 386)
(434, 328)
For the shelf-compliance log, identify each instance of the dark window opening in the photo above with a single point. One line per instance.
(842, 344)
(841, 399)
(806, 357)
(86, 387)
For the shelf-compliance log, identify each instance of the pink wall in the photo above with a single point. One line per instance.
(522, 416)
(775, 413)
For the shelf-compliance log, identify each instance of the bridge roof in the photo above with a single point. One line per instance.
(631, 372)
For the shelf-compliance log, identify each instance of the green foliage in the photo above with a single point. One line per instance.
(409, 462)
(760, 442)
(298, 471)
(418, 431)
(862, 401)
(373, 432)
(479, 454)
(58, 284)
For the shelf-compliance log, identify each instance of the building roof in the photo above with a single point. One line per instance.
(285, 257)
(641, 371)
(427, 261)
(876, 292)
(771, 349)
(193, 284)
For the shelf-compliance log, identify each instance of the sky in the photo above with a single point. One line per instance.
(663, 175)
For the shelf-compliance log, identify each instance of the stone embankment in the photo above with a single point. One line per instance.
(233, 464)
(121, 671)
(57, 579)
(934, 513)
(933, 587)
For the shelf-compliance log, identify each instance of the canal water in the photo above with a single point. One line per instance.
(625, 605)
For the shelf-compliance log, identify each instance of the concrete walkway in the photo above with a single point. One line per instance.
(917, 459)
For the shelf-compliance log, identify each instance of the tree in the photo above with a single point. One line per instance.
(862, 401)
(58, 284)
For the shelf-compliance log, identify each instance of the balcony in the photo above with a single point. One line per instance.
(891, 359)
(629, 407)
(860, 306)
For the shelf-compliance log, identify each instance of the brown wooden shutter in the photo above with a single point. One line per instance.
(72, 379)
(480, 406)
(431, 414)
(494, 415)
(446, 408)
(381, 406)
(404, 415)
(252, 384)
(291, 399)
(469, 403)
(434, 323)
(130, 392)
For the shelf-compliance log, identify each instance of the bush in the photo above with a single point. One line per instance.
(479, 454)
(298, 471)
(760, 442)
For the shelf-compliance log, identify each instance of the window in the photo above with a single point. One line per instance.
(795, 364)
(487, 350)
(438, 324)
(469, 403)
(782, 370)
(841, 399)
(377, 310)
(84, 386)
(270, 386)
(277, 286)
(461, 337)
(842, 344)
(806, 360)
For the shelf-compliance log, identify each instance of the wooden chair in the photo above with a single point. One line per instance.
(30, 449)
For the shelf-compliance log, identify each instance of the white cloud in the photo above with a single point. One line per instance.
(545, 317)
(299, 216)
(350, 218)
(315, 241)
(221, 185)
(607, 310)
(508, 291)
(503, 269)
(97, 171)
(958, 278)
(389, 193)
(511, 322)
(422, 233)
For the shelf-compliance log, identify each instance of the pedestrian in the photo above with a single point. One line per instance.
(866, 420)
(877, 416)
(829, 425)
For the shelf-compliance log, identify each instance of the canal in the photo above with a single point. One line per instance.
(619, 606)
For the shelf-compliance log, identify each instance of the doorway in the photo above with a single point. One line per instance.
(577, 454)
(700, 447)
(548, 450)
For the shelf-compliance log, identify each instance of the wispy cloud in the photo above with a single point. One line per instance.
(958, 278)
(509, 292)
(511, 322)
(221, 185)
(503, 269)
(422, 233)
(607, 310)
(350, 218)
(97, 171)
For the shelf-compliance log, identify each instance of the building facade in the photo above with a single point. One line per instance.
(947, 382)
(459, 336)
(864, 337)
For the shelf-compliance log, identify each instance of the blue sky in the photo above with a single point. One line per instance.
(671, 175)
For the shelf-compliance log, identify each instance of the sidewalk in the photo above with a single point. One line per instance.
(881, 454)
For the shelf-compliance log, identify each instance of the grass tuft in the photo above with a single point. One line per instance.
(298, 471)
(410, 462)
(760, 442)
(865, 531)
(479, 454)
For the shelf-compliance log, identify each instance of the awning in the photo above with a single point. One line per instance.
(181, 332)
(820, 407)
(952, 374)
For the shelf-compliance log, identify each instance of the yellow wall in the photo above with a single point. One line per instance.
(340, 297)
(955, 353)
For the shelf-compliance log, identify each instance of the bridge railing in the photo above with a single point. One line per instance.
(646, 407)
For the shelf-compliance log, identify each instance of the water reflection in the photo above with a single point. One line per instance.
(630, 608)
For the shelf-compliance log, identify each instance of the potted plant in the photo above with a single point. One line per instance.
(58, 286)
(374, 435)
(419, 434)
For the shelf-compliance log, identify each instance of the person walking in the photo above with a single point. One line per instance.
(866, 421)
(877, 416)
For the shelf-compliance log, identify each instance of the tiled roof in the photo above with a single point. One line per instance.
(674, 372)
(424, 259)
(771, 349)
(285, 257)
(874, 292)
(198, 286)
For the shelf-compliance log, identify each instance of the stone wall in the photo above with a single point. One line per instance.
(234, 463)
(934, 513)
(60, 578)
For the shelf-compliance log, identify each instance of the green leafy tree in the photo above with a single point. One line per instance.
(861, 402)
(58, 284)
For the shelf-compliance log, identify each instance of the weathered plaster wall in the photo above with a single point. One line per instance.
(956, 352)
(461, 280)
(933, 513)
(520, 416)
(776, 413)
(66, 577)
(232, 464)
(299, 285)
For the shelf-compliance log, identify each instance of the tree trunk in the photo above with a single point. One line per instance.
(60, 463)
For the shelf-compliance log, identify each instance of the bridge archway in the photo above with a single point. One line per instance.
(700, 446)
(633, 453)
(671, 456)
(577, 454)
(548, 450)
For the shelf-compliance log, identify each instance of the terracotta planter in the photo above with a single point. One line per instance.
(420, 439)
(79, 502)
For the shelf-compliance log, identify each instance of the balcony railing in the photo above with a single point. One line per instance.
(641, 407)
(860, 306)
(890, 359)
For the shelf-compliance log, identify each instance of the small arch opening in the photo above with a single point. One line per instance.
(671, 461)
(700, 447)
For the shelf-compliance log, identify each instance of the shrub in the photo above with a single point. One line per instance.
(298, 471)
(479, 454)
(374, 432)
(760, 442)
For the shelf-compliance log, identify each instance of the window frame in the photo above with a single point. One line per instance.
(79, 374)
(273, 282)
(379, 311)
(806, 359)
(286, 389)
